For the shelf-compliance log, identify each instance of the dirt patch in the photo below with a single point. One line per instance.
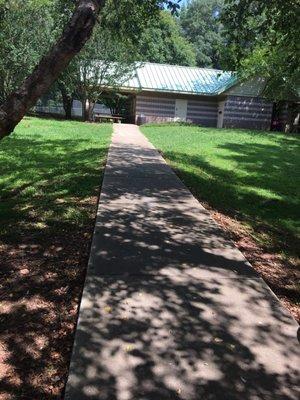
(282, 274)
(41, 282)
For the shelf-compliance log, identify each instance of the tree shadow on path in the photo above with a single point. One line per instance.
(171, 310)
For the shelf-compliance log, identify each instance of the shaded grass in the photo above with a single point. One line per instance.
(51, 173)
(251, 175)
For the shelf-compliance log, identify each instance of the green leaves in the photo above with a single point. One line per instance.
(163, 42)
(262, 39)
(201, 25)
(26, 32)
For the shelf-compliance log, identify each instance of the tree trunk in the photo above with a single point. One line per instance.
(75, 35)
(67, 101)
(84, 109)
(91, 111)
(87, 110)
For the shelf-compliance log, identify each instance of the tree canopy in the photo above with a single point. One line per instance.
(263, 39)
(201, 25)
(20, 47)
(163, 42)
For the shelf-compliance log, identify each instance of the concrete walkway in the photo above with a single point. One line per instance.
(171, 309)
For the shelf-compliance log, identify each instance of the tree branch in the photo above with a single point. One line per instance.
(75, 35)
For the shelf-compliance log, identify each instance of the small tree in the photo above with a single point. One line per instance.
(67, 85)
(116, 102)
(105, 62)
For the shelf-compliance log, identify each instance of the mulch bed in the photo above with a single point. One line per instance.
(41, 283)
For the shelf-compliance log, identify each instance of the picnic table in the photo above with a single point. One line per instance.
(107, 118)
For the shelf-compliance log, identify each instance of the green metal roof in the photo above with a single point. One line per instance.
(179, 79)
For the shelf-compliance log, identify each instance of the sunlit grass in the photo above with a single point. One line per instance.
(252, 175)
(47, 169)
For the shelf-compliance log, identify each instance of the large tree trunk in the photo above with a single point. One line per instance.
(77, 32)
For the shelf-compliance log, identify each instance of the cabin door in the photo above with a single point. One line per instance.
(180, 110)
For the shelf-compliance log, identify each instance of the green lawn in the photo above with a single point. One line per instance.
(252, 175)
(47, 168)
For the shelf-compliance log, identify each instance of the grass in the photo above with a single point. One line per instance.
(251, 175)
(47, 168)
(51, 174)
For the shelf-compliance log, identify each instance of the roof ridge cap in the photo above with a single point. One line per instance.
(185, 66)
